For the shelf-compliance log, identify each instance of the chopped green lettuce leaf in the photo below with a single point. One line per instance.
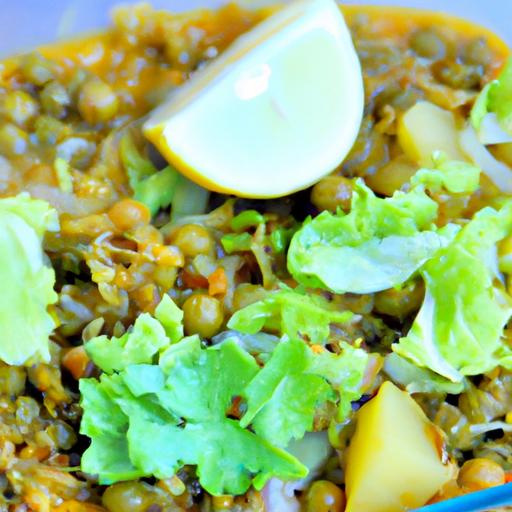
(291, 313)
(189, 199)
(27, 280)
(418, 380)
(378, 245)
(495, 98)
(138, 345)
(345, 373)
(458, 330)
(451, 175)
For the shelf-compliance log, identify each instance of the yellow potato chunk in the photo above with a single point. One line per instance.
(426, 128)
(394, 460)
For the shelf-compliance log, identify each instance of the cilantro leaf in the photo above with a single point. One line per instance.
(283, 397)
(138, 345)
(27, 280)
(106, 424)
(171, 318)
(153, 419)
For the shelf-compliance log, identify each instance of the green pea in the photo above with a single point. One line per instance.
(55, 99)
(37, 69)
(477, 52)
(13, 140)
(49, 130)
(97, 102)
(202, 315)
(428, 44)
(20, 108)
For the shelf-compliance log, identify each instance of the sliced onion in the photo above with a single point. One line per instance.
(499, 173)
(491, 132)
(313, 450)
(277, 498)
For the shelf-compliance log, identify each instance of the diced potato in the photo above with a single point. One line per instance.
(426, 128)
(394, 459)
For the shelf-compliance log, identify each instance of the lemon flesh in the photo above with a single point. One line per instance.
(279, 109)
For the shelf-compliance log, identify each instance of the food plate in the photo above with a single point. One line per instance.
(255, 259)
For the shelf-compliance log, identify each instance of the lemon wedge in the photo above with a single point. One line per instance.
(279, 109)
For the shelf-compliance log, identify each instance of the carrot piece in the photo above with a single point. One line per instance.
(76, 361)
(217, 282)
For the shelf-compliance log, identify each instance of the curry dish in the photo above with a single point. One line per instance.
(121, 245)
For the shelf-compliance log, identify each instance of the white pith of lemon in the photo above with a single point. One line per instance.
(279, 109)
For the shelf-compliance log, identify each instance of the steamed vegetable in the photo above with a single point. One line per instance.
(459, 328)
(27, 280)
(395, 459)
(376, 246)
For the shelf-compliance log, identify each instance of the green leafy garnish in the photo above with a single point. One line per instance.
(159, 189)
(496, 98)
(171, 318)
(459, 328)
(27, 280)
(181, 404)
(139, 345)
(291, 313)
(236, 242)
(376, 246)
(283, 397)
(450, 175)
(246, 219)
(418, 380)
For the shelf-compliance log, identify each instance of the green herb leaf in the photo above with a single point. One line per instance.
(246, 219)
(236, 242)
(171, 318)
(151, 420)
(139, 345)
(158, 190)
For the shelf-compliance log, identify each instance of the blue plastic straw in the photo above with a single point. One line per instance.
(479, 501)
